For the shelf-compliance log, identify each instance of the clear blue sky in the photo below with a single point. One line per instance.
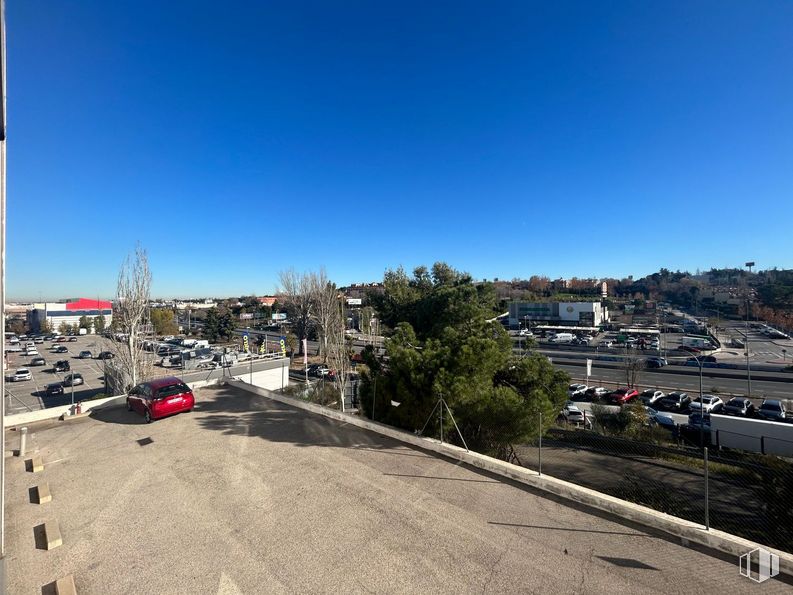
(237, 139)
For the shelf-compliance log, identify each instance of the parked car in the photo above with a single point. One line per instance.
(61, 339)
(318, 370)
(111, 355)
(739, 406)
(772, 410)
(38, 361)
(575, 389)
(20, 375)
(650, 396)
(660, 419)
(572, 414)
(597, 393)
(73, 379)
(38, 340)
(655, 362)
(72, 339)
(31, 353)
(161, 397)
(60, 349)
(54, 389)
(62, 366)
(709, 404)
(697, 419)
(623, 395)
(674, 401)
(85, 354)
(13, 348)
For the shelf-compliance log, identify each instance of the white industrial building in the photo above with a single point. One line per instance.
(589, 314)
(68, 312)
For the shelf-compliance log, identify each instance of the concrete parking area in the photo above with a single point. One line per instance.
(246, 495)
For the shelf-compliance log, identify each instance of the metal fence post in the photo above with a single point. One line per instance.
(707, 510)
(539, 450)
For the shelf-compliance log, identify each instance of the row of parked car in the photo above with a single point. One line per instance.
(681, 402)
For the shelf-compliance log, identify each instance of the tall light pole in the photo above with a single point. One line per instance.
(748, 265)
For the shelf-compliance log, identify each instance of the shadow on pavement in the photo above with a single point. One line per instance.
(117, 415)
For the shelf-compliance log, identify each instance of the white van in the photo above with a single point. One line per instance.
(562, 338)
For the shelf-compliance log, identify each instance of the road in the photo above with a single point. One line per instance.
(666, 379)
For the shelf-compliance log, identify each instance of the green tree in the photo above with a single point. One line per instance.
(164, 321)
(443, 345)
(218, 325)
(99, 323)
(85, 322)
(63, 328)
(45, 326)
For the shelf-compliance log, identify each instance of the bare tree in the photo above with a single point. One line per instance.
(633, 365)
(338, 350)
(296, 295)
(130, 313)
(326, 307)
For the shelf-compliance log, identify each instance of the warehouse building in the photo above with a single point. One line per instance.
(68, 312)
(588, 314)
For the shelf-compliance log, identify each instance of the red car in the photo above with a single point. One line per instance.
(161, 397)
(623, 395)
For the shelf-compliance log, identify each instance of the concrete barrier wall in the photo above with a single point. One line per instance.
(719, 540)
(756, 435)
(55, 412)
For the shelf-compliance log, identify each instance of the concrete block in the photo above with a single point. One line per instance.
(65, 586)
(53, 534)
(43, 491)
(36, 464)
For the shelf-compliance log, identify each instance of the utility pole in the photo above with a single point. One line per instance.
(749, 265)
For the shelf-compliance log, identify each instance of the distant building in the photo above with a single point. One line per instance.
(267, 300)
(562, 313)
(69, 312)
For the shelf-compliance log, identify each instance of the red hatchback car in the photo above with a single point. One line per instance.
(161, 397)
(623, 395)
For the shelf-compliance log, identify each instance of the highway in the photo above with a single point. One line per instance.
(667, 379)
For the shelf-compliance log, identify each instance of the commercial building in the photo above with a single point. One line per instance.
(589, 314)
(68, 312)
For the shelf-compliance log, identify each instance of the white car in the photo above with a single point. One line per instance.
(574, 415)
(21, 374)
(32, 353)
(600, 392)
(650, 396)
(576, 389)
(15, 348)
(709, 404)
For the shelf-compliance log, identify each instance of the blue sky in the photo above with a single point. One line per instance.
(237, 139)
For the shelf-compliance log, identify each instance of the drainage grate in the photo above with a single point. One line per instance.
(144, 441)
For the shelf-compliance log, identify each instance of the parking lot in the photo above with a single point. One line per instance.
(246, 495)
(28, 395)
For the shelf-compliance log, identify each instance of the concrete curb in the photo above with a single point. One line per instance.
(718, 540)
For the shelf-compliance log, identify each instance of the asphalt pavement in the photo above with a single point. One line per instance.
(245, 495)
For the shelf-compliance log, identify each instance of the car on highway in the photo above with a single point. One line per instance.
(655, 362)
(704, 359)
(53, 389)
(650, 396)
(38, 361)
(62, 365)
(621, 396)
(73, 379)
(60, 349)
(738, 406)
(708, 404)
(772, 410)
(674, 401)
(20, 375)
(111, 355)
(85, 354)
(663, 420)
(161, 397)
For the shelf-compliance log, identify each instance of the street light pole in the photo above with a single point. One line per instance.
(749, 265)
